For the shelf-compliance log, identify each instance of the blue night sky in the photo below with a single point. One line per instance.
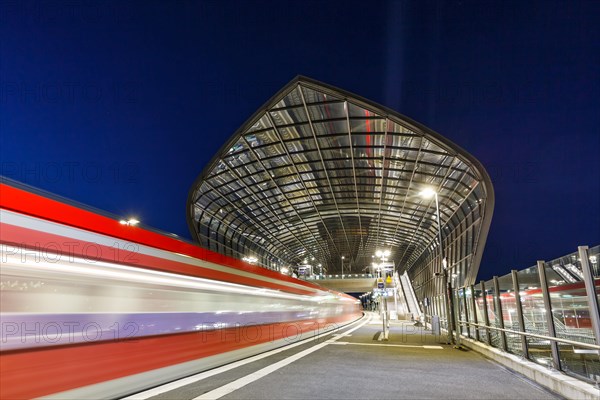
(121, 105)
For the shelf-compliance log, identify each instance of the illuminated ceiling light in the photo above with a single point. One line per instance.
(250, 260)
(129, 222)
(382, 253)
(427, 193)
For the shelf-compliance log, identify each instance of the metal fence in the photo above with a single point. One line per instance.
(547, 313)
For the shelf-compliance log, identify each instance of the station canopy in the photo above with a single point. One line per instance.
(318, 174)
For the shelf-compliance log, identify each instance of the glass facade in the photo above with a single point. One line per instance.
(318, 174)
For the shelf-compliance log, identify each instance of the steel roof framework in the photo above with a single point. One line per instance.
(320, 173)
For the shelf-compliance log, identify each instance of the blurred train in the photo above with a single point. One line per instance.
(92, 308)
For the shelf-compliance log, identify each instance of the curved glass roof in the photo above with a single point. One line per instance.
(318, 173)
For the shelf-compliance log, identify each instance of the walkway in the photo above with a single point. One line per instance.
(350, 364)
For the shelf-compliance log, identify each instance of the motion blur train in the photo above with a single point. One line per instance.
(93, 308)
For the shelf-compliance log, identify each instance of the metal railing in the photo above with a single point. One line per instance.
(538, 314)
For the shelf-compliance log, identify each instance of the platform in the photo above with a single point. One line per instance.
(351, 364)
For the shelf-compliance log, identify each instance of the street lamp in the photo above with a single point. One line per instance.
(428, 193)
(343, 267)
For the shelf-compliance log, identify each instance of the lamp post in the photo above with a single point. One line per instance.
(382, 255)
(427, 194)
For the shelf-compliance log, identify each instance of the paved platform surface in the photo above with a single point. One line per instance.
(412, 364)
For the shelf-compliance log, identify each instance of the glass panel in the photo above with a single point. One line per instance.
(471, 312)
(480, 313)
(571, 313)
(534, 315)
(312, 96)
(398, 128)
(261, 138)
(493, 314)
(331, 127)
(295, 131)
(594, 254)
(292, 99)
(240, 145)
(261, 124)
(509, 314)
(356, 111)
(371, 125)
(300, 145)
(431, 146)
(327, 111)
(289, 116)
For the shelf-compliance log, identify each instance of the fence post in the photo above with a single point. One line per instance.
(499, 316)
(474, 308)
(549, 318)
(486, 317)
(519, 306)
(468, 326)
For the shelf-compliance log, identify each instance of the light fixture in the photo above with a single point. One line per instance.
(129, 222)
(427, 193)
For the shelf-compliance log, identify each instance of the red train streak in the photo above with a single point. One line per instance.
(35, 372)
(29, 374)
(28, 238)
(24, 202)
